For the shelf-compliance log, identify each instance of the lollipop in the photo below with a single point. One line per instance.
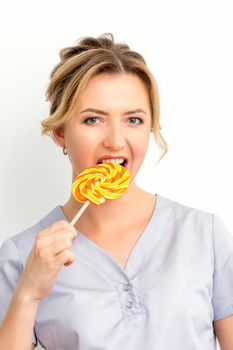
(99, 183)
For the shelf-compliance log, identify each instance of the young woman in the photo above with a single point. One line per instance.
(138, 272)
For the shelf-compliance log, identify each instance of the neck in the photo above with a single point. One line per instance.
(106, 216)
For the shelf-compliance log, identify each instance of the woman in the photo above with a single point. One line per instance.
(138, 272)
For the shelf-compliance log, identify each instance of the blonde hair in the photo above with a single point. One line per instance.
(87, 58)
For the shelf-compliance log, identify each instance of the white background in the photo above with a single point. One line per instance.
(188, 47)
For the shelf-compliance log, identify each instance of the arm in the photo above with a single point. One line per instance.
(224, 332)
(50, 252)
(17, 328)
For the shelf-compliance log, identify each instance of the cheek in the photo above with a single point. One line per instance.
(140, 145)
(80, 140)
(81, 147)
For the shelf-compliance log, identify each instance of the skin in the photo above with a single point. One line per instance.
(115, 134)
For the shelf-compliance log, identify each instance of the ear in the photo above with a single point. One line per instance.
(58, 136)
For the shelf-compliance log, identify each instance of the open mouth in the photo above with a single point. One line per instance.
(122, 164)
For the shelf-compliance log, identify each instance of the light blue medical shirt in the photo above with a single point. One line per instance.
(177, 280)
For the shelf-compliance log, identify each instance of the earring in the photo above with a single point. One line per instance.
(64, 151)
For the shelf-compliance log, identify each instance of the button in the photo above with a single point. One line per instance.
(126, 287)
(129, 304)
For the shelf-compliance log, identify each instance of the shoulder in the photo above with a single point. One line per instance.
(184, 213)
(210, 221)
(185, 223)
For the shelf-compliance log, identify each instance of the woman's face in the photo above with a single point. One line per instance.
(112, 118)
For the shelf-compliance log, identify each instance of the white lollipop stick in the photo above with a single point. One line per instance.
(79, 213)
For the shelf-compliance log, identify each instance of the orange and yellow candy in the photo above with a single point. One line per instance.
(100, 183)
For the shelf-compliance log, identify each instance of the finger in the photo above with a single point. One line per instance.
(51, 239)
(57, 247)
(65, 257)
(55, 227)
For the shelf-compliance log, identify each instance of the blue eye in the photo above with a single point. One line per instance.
(140, 119)
(87, 119)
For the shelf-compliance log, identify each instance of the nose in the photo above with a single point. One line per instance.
(114, 138)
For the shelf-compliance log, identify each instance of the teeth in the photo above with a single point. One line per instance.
(118, 160)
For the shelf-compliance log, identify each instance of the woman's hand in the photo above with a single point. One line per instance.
(51, 250)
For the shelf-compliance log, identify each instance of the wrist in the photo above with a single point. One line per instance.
(24, 296)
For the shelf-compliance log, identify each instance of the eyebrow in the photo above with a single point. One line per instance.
(105, 113)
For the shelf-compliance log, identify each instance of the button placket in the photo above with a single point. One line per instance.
(130, 304)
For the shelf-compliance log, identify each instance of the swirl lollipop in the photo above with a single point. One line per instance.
(99, 183)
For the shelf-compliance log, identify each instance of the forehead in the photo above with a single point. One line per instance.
(115, 89)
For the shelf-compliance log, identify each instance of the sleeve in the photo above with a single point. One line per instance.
(10, 270)
(222, 299)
